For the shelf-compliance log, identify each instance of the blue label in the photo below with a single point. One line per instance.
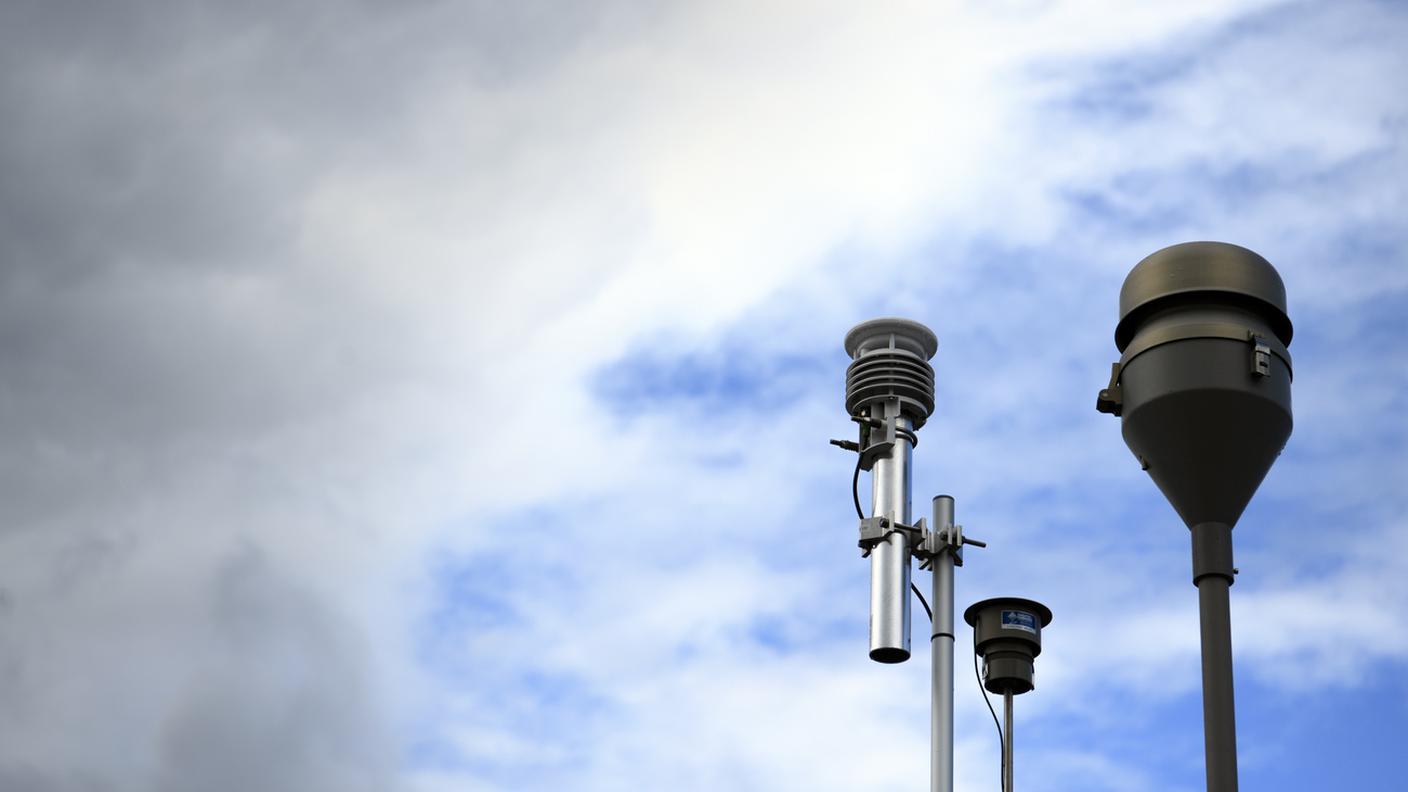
(1019, 620)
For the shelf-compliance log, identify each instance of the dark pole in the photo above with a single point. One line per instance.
(1212, 574)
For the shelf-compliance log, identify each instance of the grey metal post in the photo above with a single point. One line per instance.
(889, 560)
(941, 645)
(1213, 574)
(1007, 741)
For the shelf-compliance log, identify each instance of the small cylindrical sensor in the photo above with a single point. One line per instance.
(1007, 635)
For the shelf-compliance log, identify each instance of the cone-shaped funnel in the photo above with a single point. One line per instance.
(1204, 385)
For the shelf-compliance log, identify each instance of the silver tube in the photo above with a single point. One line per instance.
(941, 645)
(1007, 741)
(889, 560)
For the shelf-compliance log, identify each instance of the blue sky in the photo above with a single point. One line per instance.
(437, 397)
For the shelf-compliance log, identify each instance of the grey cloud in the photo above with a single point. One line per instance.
(22, 778)
(285, 705)
(156, 290)
(179, 376)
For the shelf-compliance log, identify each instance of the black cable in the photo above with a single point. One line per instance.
(855, 488)
(1001, 744)
(922, 601)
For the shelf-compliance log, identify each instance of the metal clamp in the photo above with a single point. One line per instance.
(1261, 355)
(878, 435)
(948, 540)
(1111, 399)
(924, 544)
(874, 530)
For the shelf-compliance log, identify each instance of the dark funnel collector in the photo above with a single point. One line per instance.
(1203, 388)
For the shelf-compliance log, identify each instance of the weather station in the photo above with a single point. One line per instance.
(1203, 391)
(890, 396)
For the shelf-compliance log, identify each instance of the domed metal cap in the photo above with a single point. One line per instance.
(1191, 272)
(905, 334)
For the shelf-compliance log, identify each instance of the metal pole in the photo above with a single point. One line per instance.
(1007, 741)
(1219, 715)
(889, 560)
(1212, 574)
(941, 645)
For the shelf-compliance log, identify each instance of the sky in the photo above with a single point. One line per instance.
(435, 395)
